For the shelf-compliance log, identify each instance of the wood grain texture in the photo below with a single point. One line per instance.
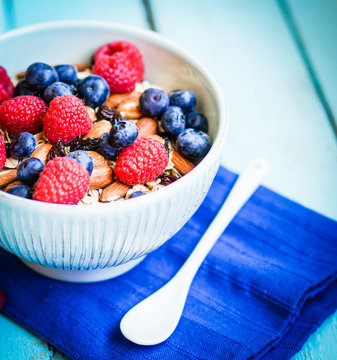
(272, 105)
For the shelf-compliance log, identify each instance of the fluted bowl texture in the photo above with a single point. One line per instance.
(104, 235)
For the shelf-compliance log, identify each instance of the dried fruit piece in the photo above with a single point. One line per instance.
(57, 150)
(90, 144)
(114, 191)
(166, 179)
(110, 114)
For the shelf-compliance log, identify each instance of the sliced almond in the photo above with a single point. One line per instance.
(130, 109)
(98, 129)
(91, 113)
(101, 177)
(115, 99)
(99, 160)
(183, 165)
(11, 163)
(157, 137)
(12, 184)
(114, 191)
(7, 176)
(42, 152)
(147, 126)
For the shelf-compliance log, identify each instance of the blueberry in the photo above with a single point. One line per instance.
(93, 90)
(193, 144)
(185, 99)
(57, 88)
(173, 121)
(123, 134)
(153, 102)
(40, 75)
(21, 190)
(29, 170)
(23, 88)
(197, 121)
(83, 158)
(136, 194)
(106, 149)
(22, 145)
(67, 73)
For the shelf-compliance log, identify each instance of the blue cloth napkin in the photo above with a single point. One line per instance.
(267, 284)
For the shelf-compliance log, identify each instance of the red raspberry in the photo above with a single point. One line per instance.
(6, 86)
(65, 119)
(22, 113)
(2, 153)
(141, 162)
(62, 181)
(124, 46)
(117, 71)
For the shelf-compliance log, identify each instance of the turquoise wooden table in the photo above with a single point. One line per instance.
(276, 62)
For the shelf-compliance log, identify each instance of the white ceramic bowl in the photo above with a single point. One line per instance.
(106, 240)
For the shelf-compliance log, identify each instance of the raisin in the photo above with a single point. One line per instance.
(89, 144)
(110, 114)
(166, 179)
(58, 149)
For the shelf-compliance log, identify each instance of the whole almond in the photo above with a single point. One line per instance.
(98, 129)
(130, 109)
(80, 67)
(115, 99)
(100, 177)
(91, 113)
(183, 165)
(42, 152)
(147, 126)
(7, 176)
(99, 160)
(21, 75)
(114, 191)
(12, 184)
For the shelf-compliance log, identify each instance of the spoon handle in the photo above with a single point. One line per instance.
(242, 190)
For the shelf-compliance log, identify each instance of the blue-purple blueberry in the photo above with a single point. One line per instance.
(106, 149)
(22, 145)
(193, 144)
(57, 88)
(185, 99)
(153, 102)
(173, 121)
(123, 134)
(29, 170)
(40, 75)
(67, 73)
(93, 90)
(23, 191)
(197, 121)
(83, 158)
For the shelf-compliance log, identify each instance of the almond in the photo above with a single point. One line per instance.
(130, 109)
(91, 113)
(98, 129)
(100, 177)
(12, 184)
(42, 152)
(11, 163)
(99, 160)
(147, 126)
(114, 191)
(183, 165)
(7, 176)
(21, 75)
(80, 67)
(157, 137)
(115, 99)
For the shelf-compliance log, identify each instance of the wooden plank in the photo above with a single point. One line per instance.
(317, 27)
(32, 12)
(273, 109)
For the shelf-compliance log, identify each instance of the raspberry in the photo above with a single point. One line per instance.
(117, 71)
(124, 46)
(65, 119)
(6, 86)
(62, 181)
(2, 152)
(22, 114)
(141, 162)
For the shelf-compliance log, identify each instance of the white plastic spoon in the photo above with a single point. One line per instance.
(154, 319)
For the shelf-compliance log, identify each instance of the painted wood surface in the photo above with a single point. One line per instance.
(273, 107)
